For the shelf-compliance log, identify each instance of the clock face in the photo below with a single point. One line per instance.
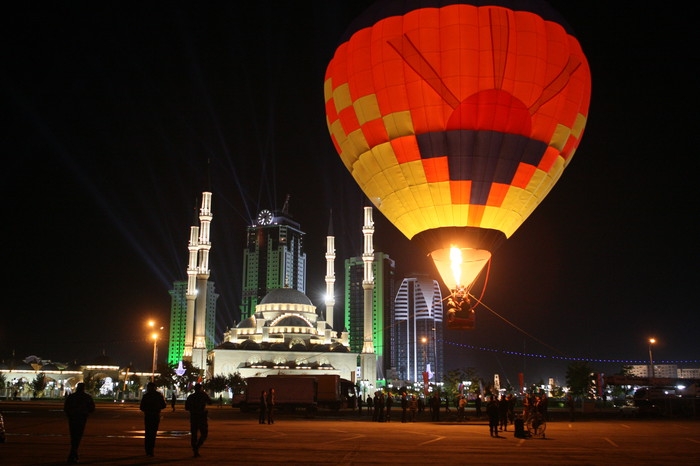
(265, 217)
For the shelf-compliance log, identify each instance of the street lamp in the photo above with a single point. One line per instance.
(651, 359)
(154, 335)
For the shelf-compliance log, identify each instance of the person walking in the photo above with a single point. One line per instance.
(173, 400)
(152, 403)
(461, 407)
(404, 406)
(262, 415)
(78, 406)
(503, 414)
(412, 408)
(271, 401)
(492, 414)
(389, 403)
(435, 406)
(196, 403)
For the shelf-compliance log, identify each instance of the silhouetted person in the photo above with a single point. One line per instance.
(271, 401)
(152, 403)
(262, 415)
(572, 407)
(196, 404)
(404, 406)
(412, 408)
(503, 414)
(492, 414)
(389, 403)
(77, 407)
(477, 404)
(173, 400)
(434, 404)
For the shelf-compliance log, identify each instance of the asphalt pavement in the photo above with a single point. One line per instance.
(37, 434)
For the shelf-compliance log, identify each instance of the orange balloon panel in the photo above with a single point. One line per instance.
(459, 115)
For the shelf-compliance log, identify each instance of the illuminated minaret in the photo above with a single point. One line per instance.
(330, 272)
(199, 350)
(368, 357)
(191, 293)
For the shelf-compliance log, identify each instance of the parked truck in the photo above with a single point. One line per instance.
(300, 391)
(291, 392)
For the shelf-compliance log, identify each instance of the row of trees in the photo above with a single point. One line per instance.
(169, 378)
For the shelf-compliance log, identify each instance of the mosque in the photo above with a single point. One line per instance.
(281, 331)
(390, 332)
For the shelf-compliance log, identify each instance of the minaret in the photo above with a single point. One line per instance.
(199, 350)
(330, 272)
(191, 293)
(368, 358)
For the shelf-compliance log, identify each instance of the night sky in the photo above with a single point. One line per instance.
(117, 118)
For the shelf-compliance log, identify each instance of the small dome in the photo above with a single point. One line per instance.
(249, 345)
(227, 345)
(340, 349)
(102, 360)
(286, 296)
(298, 347)
(321, 348)
(23, 366)
(248, 323)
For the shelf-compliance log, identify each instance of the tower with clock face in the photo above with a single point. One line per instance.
(274, 257)
(265, 217)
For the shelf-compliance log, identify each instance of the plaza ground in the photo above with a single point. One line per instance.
(37, 434)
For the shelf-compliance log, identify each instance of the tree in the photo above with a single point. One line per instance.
(165, 375)
(91, 383)
(236, 383)
(39, 384)
(454, 378)
(217, 384)
(578, 377)
(190, 377)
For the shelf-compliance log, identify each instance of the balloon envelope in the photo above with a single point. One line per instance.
(456, 119)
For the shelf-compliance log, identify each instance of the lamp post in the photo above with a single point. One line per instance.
(651, 359)
(154, 335)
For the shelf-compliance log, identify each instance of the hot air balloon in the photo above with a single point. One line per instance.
(456, 119)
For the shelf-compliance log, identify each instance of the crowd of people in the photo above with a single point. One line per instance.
(500, 411)
(79, 405)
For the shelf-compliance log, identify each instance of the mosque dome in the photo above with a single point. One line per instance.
(247, 323)
(249, 345)
(291, 321)
(298, 347)
(227, 345)
(286, 296)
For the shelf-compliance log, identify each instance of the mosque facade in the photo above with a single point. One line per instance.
(285, 335)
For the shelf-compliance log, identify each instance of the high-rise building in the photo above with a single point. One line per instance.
(384, 269)
(273, 258)
(418, 330)
(178, 320)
